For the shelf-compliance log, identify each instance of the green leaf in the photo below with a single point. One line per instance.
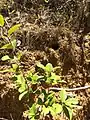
(20, 79)
(22, 95)
(4, 71)
(21, 82)
(45, 110)
(6, 57)
(33, 108)
(68, 112)
(1, 21)
(73, 101)
(51, 99)
(11, 45)
(57, 108)
(52, 111)
(34, 78)
(32, 118)
(13, 42)
(54, 79)
(15, 67)
(13, 29)
(32, 111)
(7, 70)
(63, 95)
(7, 46)
(49, 67)
(40, 65)
(54, 76)
(22, 88)
(19, 55)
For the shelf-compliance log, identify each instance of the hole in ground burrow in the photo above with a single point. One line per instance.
(55, 46)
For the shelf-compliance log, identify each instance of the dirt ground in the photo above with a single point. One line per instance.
(44, 37)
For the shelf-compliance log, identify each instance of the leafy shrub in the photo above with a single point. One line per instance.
(45, 102)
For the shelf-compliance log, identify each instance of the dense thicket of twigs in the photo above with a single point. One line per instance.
(73, 12)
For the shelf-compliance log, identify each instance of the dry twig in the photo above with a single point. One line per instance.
(69, 89)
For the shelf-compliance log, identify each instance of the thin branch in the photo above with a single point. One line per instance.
(67, 89)
(11, 116)
(3, 119)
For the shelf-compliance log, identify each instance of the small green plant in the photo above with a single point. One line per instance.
(9, 39)
(46, 102)
(10, 44)
(67, 103)
(14, 63)
(21, 84)
(49, 75)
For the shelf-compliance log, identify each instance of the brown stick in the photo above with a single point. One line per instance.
(3, 119)
(67, 89)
